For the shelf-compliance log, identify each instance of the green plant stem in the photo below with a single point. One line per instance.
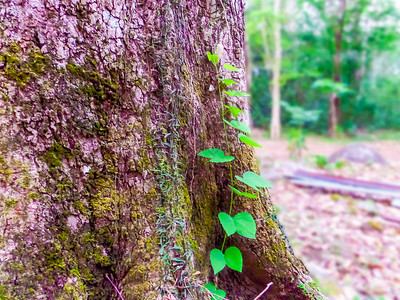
(229, 150)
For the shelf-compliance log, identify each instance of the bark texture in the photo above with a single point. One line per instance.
(104, 106)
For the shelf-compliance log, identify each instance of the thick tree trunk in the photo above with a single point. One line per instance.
(104, 106)
(276, 72)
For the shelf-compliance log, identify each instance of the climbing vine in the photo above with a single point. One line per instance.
(242, 223)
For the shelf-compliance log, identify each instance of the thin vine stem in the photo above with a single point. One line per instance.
(229, 149)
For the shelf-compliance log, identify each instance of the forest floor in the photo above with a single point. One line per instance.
(351, 250)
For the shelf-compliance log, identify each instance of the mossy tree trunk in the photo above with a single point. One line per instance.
(104, 106)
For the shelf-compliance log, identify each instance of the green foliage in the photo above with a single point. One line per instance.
(234, 259)
(216, 294)
(234, 110)
(243, 223)
(237, 94)
(300, 116)
(248, 140)
(254, 180)
(296, 135)
(227, 223)
(228, 82)
(238, 125)
(368, 80)
(216, 155)
(329, 86)
(213, 58)
(217, 259)
(297, 141)
(321, 161)
(231, 68)
(248, 195)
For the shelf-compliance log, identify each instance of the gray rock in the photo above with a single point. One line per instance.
(357, 153)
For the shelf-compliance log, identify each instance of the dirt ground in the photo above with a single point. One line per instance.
(351, 250)
(278, 150)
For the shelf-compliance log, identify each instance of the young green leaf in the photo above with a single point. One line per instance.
(227, 223)
(254, 180)
(217, 260)
(231, 68)
(211, 153)
(218, 295)
(210, 287)
(234, 259)
(228, 82)
(222, 159)
(248, 140)
(238, 125)
(235, 190)
(237, 94)
(234, 110)
(213, 58)
(245, 224)
(216, 155)
(257, 179)
(248, 195)
(215, 294)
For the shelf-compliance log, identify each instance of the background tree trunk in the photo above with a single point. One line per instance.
(334, 100)
(104, 106)
(276, 72)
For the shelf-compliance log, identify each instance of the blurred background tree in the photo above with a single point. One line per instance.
(338, 57)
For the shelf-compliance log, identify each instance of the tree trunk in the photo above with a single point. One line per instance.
(249, 76)
(276, 72)
(333, 114)
(104, 106)
(334, 100)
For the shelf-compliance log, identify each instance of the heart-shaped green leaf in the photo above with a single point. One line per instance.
(231, 68)
(211, 287)
(234, 110)
(245, 225)
(234, 259)
(257, 179)
(213, 58)
(237, 94)
(238, 125)
(254, 180)
(248, 195)
(215, 294)
(228, 82)
(248, 140)
(217, 260)
(227, 223)
(216, 155)
(219, 295)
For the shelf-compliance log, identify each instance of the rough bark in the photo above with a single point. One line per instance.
(104, 106)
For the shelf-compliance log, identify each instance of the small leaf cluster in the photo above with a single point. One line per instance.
(231, 258)
(242, 223)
